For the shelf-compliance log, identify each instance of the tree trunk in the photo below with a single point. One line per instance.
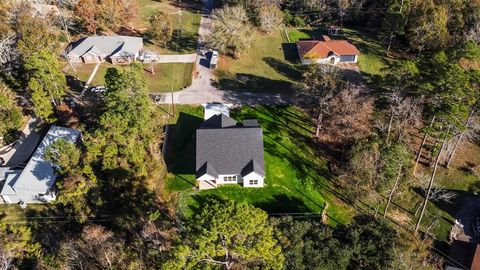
(390, 41)
(392, 191)
(450, 158)
(319, 124)
(389, 129)
(430, 184)
(419, 152)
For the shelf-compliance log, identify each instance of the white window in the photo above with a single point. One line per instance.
(253, 182)
(230, 178)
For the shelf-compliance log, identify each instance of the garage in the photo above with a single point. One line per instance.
(347, 58)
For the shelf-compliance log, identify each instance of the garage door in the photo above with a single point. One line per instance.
(347, 58)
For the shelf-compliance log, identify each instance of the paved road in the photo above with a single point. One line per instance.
(24, 147)
(202, 89)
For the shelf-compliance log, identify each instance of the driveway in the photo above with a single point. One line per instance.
(202, 89)
(18, 152)
(176, 58)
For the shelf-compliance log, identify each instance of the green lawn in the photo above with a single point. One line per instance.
(297, 179)
(161, 81)
(265, 67)
(187, 20)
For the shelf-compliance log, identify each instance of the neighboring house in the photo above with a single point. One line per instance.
(116, 49)
(333, 30)
(326, 51)
(33, 184)
(463, 255)
(229, 153)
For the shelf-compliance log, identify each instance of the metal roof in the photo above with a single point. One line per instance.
(107, 46)
(38, 176)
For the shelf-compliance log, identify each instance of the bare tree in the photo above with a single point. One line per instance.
(271, 18)
(470, 130)
(6, 259)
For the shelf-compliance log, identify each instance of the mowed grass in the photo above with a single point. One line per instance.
(297, 178)
(265, 67)
(178, 74)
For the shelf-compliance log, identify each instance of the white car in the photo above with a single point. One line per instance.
(214, 60)
(99, 89)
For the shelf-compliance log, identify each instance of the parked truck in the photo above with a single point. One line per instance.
(214, 60)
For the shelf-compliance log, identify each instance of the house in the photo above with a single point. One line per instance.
(326, 51)
(463, 255)
(97, 49)
(34, 183)
(333, 30)
(228, 152)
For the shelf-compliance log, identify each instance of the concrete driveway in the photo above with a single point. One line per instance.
(176, 58)
(203, 90)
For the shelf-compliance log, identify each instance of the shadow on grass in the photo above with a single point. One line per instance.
(290, 52)
(183, 41)
(180, 156)
(451, 207)
(283, 68)
(250, 83)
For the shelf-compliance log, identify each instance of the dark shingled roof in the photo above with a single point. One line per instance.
(227, 147)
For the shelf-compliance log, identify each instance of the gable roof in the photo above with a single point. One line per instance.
(227, 147)
(323, 49)
(106, 46)
(38, 176)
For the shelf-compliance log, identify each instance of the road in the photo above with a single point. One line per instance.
(203, 90)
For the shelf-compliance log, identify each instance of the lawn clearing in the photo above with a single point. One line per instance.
(178, 74)
(187, 18)
(263, 68)
(297, 178)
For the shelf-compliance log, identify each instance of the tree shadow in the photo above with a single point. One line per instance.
(180, 157)
(451, 207)
(283, 68)
(290, 52)
(183, 41)
(250, 83)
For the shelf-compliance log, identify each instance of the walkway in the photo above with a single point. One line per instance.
(24, 147)
(202, 89)
(90, 79)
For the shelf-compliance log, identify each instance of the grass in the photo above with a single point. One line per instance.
(188, 20)
(265, 67)
(297, 179)
(161, 81)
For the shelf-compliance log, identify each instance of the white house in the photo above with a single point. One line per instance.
(34, 183)
(326, 51)
(228, 152)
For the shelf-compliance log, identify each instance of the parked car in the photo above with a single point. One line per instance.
(214, 60)
(99, 89)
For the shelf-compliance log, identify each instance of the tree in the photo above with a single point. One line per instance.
(427, 26)
(393, 24)
(161, 28)
(232, 32)
(16, 243)
(319, 85)
(96, 248)
(41, 101)
(86, 13)
(270, 18)
(44, 68)
(371, 241)
(29, 29)
(238, 236)
(310, 244)
(10, 114)
(125, 132)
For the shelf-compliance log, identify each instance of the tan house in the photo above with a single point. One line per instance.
(326, 51)
(115, 49)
